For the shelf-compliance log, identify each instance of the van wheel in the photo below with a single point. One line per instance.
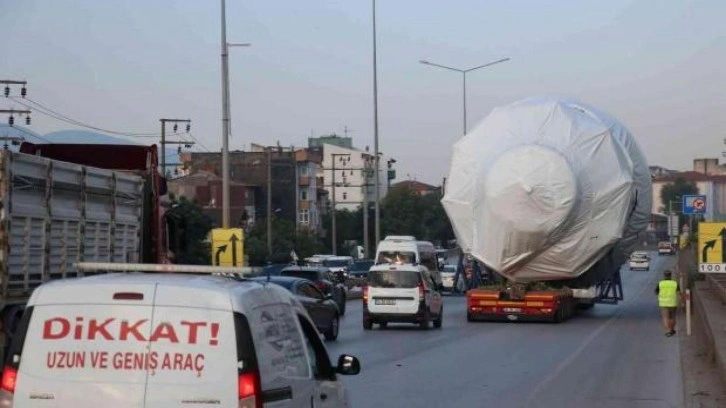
(367, 325)
(439, 319)
(424, 324)
(342, 308)
(332, 333)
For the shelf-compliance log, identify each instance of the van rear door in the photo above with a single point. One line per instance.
(87, 352)
(194, 348)
(393, 291)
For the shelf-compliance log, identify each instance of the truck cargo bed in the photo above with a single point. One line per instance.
(54, 213)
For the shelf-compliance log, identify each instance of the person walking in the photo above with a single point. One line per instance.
(667, 291)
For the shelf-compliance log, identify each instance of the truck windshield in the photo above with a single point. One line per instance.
(396, 257)
(393, 279)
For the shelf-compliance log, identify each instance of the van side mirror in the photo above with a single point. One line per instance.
(348, 365)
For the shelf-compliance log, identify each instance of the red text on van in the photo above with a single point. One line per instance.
(188, 332)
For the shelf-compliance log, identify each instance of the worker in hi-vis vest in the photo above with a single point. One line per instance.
(667, 291)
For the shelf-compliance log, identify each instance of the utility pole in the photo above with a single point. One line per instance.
(13, 140)
(269, 202)
(19, 112)
(8, 82)
(366, 173)
(164, 142)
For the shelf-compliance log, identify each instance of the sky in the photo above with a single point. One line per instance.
(657, 66)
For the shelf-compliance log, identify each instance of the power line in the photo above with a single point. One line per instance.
(27, 133)
(67, 119)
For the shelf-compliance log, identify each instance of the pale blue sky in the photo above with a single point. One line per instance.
(656, 65)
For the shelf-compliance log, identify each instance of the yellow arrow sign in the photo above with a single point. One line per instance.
(711, 246)
(227, 247)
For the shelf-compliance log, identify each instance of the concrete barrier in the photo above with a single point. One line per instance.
(710, 315)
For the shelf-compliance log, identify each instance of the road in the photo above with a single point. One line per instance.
(607, 357)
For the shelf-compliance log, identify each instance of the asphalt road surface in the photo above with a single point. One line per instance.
(607, 357)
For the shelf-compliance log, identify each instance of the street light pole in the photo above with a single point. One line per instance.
(464, 72)
(225, 118)
(375, 133)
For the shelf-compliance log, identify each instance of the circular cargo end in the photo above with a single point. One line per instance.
(531, 189)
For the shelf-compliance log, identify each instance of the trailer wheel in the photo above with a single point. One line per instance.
(469, 317)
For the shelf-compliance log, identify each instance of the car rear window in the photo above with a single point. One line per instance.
(664, 245)
(335, 262)
(311, 275)
(639, 257)
(393, 279)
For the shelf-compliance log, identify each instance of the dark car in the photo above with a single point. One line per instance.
(322, 309)
(273, 269)
(360, 268)
(322, 279)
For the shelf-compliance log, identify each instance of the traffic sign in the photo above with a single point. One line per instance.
(694, 204)
(712, 247)
(227, 247)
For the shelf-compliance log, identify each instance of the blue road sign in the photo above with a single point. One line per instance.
(694, 204)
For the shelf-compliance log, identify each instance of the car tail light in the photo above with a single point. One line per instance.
(249, 390)
(322, 286)
(10, 376)
(421, 295)
(365, 294)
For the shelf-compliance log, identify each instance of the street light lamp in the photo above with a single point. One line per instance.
(464, 72)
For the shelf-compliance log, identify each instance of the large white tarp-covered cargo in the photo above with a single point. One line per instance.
(543, 189)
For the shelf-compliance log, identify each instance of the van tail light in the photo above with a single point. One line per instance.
(365, 294)
(322, 286)
(421, 293)
(10, 376)
(250, 395)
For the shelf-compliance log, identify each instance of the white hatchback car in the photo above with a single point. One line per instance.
(168, 340)
(401, 293)
(639, 261)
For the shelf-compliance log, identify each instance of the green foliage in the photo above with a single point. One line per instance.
(675, 192)
(192, 231)
(284, 240)
(406, 213)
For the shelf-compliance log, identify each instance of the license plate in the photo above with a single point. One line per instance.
(512, 310)
(389, 302)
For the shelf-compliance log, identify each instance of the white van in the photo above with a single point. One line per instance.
(168, 340)
(401, 293)
(395, 249)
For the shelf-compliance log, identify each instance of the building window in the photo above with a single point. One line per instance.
(345, 195)
(303, 194)
(304, 170)
(304, 216)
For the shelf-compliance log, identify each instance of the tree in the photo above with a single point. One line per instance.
(285, 239)
(190, 232)
(405, 212)
(675, 191)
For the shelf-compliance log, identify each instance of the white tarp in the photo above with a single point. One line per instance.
(544, 188)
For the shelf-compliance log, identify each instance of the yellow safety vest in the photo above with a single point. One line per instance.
(667, 293)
